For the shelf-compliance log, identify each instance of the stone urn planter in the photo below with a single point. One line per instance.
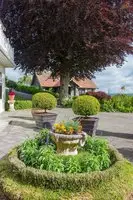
(11, 95)
(41, 102)
(68, 144)
(86, 106)
(44, 119)
(89, 124)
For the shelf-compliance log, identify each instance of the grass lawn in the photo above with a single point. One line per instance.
(117, 188)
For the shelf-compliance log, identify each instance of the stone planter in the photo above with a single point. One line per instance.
(68, 144)
(89, 124)
(43, 119)
(11, 97)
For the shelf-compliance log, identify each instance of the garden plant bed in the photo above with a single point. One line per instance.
(116, 181)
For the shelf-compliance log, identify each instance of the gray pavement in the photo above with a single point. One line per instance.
(16, 126)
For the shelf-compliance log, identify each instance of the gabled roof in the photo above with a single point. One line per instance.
(85, 83)
(46, 80)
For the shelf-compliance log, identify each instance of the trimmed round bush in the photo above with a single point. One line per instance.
(86, 105)
(44, 101)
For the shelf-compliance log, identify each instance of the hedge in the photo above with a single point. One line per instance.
(23, 104)
(28, 89)
(72, 182)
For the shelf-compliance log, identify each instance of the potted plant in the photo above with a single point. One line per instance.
(86, 106)
(41, 103)
(11, 95)
(68, 136)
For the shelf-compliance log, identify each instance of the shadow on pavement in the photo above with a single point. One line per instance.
(127, 153)
(21, 117)
(113, 134)
(24, 125)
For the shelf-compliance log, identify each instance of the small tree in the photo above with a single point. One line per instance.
(71, 38)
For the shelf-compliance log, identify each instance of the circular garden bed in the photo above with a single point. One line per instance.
(20, 180)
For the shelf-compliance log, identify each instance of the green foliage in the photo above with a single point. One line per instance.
(117, 186)
(44, 101)
(86, 105)
(68, 127)
(11, 84)
(40, 153)
(118, 103)
(66, 181)
(67, 103)
(28, 89)
(23, 104)
(99, 148)
(107, 106)
(25, 80)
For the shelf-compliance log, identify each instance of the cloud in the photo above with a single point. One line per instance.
(113, 78)
(13, 74)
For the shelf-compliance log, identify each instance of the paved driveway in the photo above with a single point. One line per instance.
(116, 127)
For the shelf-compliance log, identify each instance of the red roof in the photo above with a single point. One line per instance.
(85, 83)
(46, 80)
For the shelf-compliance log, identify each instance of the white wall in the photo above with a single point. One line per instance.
(6, 60)
(5, 45)
(2, 100)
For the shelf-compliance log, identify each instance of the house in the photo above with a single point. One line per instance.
(6, 60)
(76, 86)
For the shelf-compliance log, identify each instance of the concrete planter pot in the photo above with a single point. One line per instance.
(44, 119)
(68, 144)
(11, 97)
(89, 124)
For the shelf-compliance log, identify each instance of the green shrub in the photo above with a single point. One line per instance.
(118, 103)
(23, 104)
(122, 103)
(67, 103)
(41, 154)
(44, 101)
(107, 106)
(86, 105)
(11, 84)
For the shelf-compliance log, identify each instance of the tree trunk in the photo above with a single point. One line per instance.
(64, 85)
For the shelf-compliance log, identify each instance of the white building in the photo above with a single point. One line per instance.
(6, 60)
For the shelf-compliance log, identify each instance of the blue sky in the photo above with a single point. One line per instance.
(109, 80)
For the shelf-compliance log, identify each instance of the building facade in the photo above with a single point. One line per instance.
(6, 60)
(76, 86)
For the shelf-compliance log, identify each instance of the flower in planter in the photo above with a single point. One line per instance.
(68, 128)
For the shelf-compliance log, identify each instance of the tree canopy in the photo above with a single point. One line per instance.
(75, 36)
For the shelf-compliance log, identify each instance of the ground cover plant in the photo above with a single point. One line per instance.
(41, 154)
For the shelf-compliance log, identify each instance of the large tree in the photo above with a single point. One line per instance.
(68, 37)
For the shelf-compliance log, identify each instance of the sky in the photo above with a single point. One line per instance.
(109, 80)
